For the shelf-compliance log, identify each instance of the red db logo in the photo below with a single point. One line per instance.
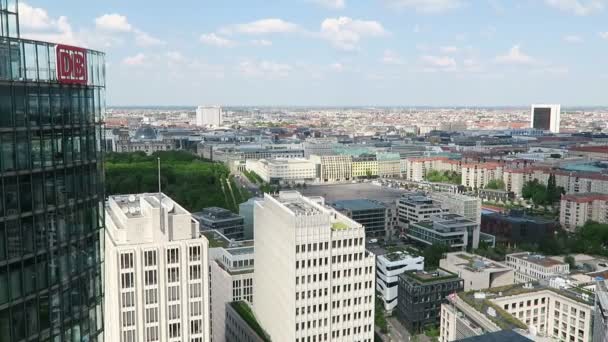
(71, 65)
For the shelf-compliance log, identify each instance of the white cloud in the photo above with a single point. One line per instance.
(264, 69)
(145, 40)
(139, 59)
(443, 62)
(337, 67)
(573, 39)
(346, 33)
(426, 6)
(604, 35)
(417, 28)
(515, 56)
(215, 40)
(449, 49)
(392, 58)
(263, 26)
(578, 7)
(332, 4)
(38, 25)
(261, 42)
(113, 23)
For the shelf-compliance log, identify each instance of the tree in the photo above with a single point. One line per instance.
(569, 259)
(432, 255)
(496, 184)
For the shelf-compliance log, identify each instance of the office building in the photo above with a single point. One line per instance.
(389, 164)
(373, 215)
(466, 206)
(52, 188)
(577, 209)
(421, 294)
(314, 280)
(156, 271)
(545, 117)
(516, 227)
(539, 312)
(282, 170)
(223, 220)
(210, 116)
(477, 272)
(241, 324)
(600, 312)
(231, 276)
(534, 267)
(389, 266)
(365, 166)
(416, 207)
(454, 231)
(337, 168)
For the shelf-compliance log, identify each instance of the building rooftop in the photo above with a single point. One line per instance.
(218, 240)
(358, 204)
(338, 192)
(215, 214)
(475, 263)
(426, 277)
(499, 336)
(537, 259)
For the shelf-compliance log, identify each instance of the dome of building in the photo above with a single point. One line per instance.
(145, 133)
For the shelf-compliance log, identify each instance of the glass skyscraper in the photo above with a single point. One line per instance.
(51, 177)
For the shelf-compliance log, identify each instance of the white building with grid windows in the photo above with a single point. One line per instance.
(156, 272)
(231, 274)
(314, 279)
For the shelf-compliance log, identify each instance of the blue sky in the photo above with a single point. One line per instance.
(338, 52)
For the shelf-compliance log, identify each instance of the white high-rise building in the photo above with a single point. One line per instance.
(545, 117)
(156, 272)
(209, 116)
(231, 273)
(314, 280)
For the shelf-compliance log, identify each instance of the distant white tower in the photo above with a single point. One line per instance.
(209, 116)
(545, 117)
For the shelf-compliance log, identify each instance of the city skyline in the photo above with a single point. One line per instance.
(339, 53)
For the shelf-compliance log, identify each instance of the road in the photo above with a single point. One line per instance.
(246, 183)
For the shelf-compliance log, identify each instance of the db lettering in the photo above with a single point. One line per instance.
(71, 65)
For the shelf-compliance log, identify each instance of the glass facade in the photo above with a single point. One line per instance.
(51, 202)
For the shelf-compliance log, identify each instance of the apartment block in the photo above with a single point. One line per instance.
(534, 267)
(421, 294)
(156, 272)
(539, 312)
(477, 272)
(478, 175)
(231, 276)
(577, 209)
(282, 170)
(417, 168)
(314, 278)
